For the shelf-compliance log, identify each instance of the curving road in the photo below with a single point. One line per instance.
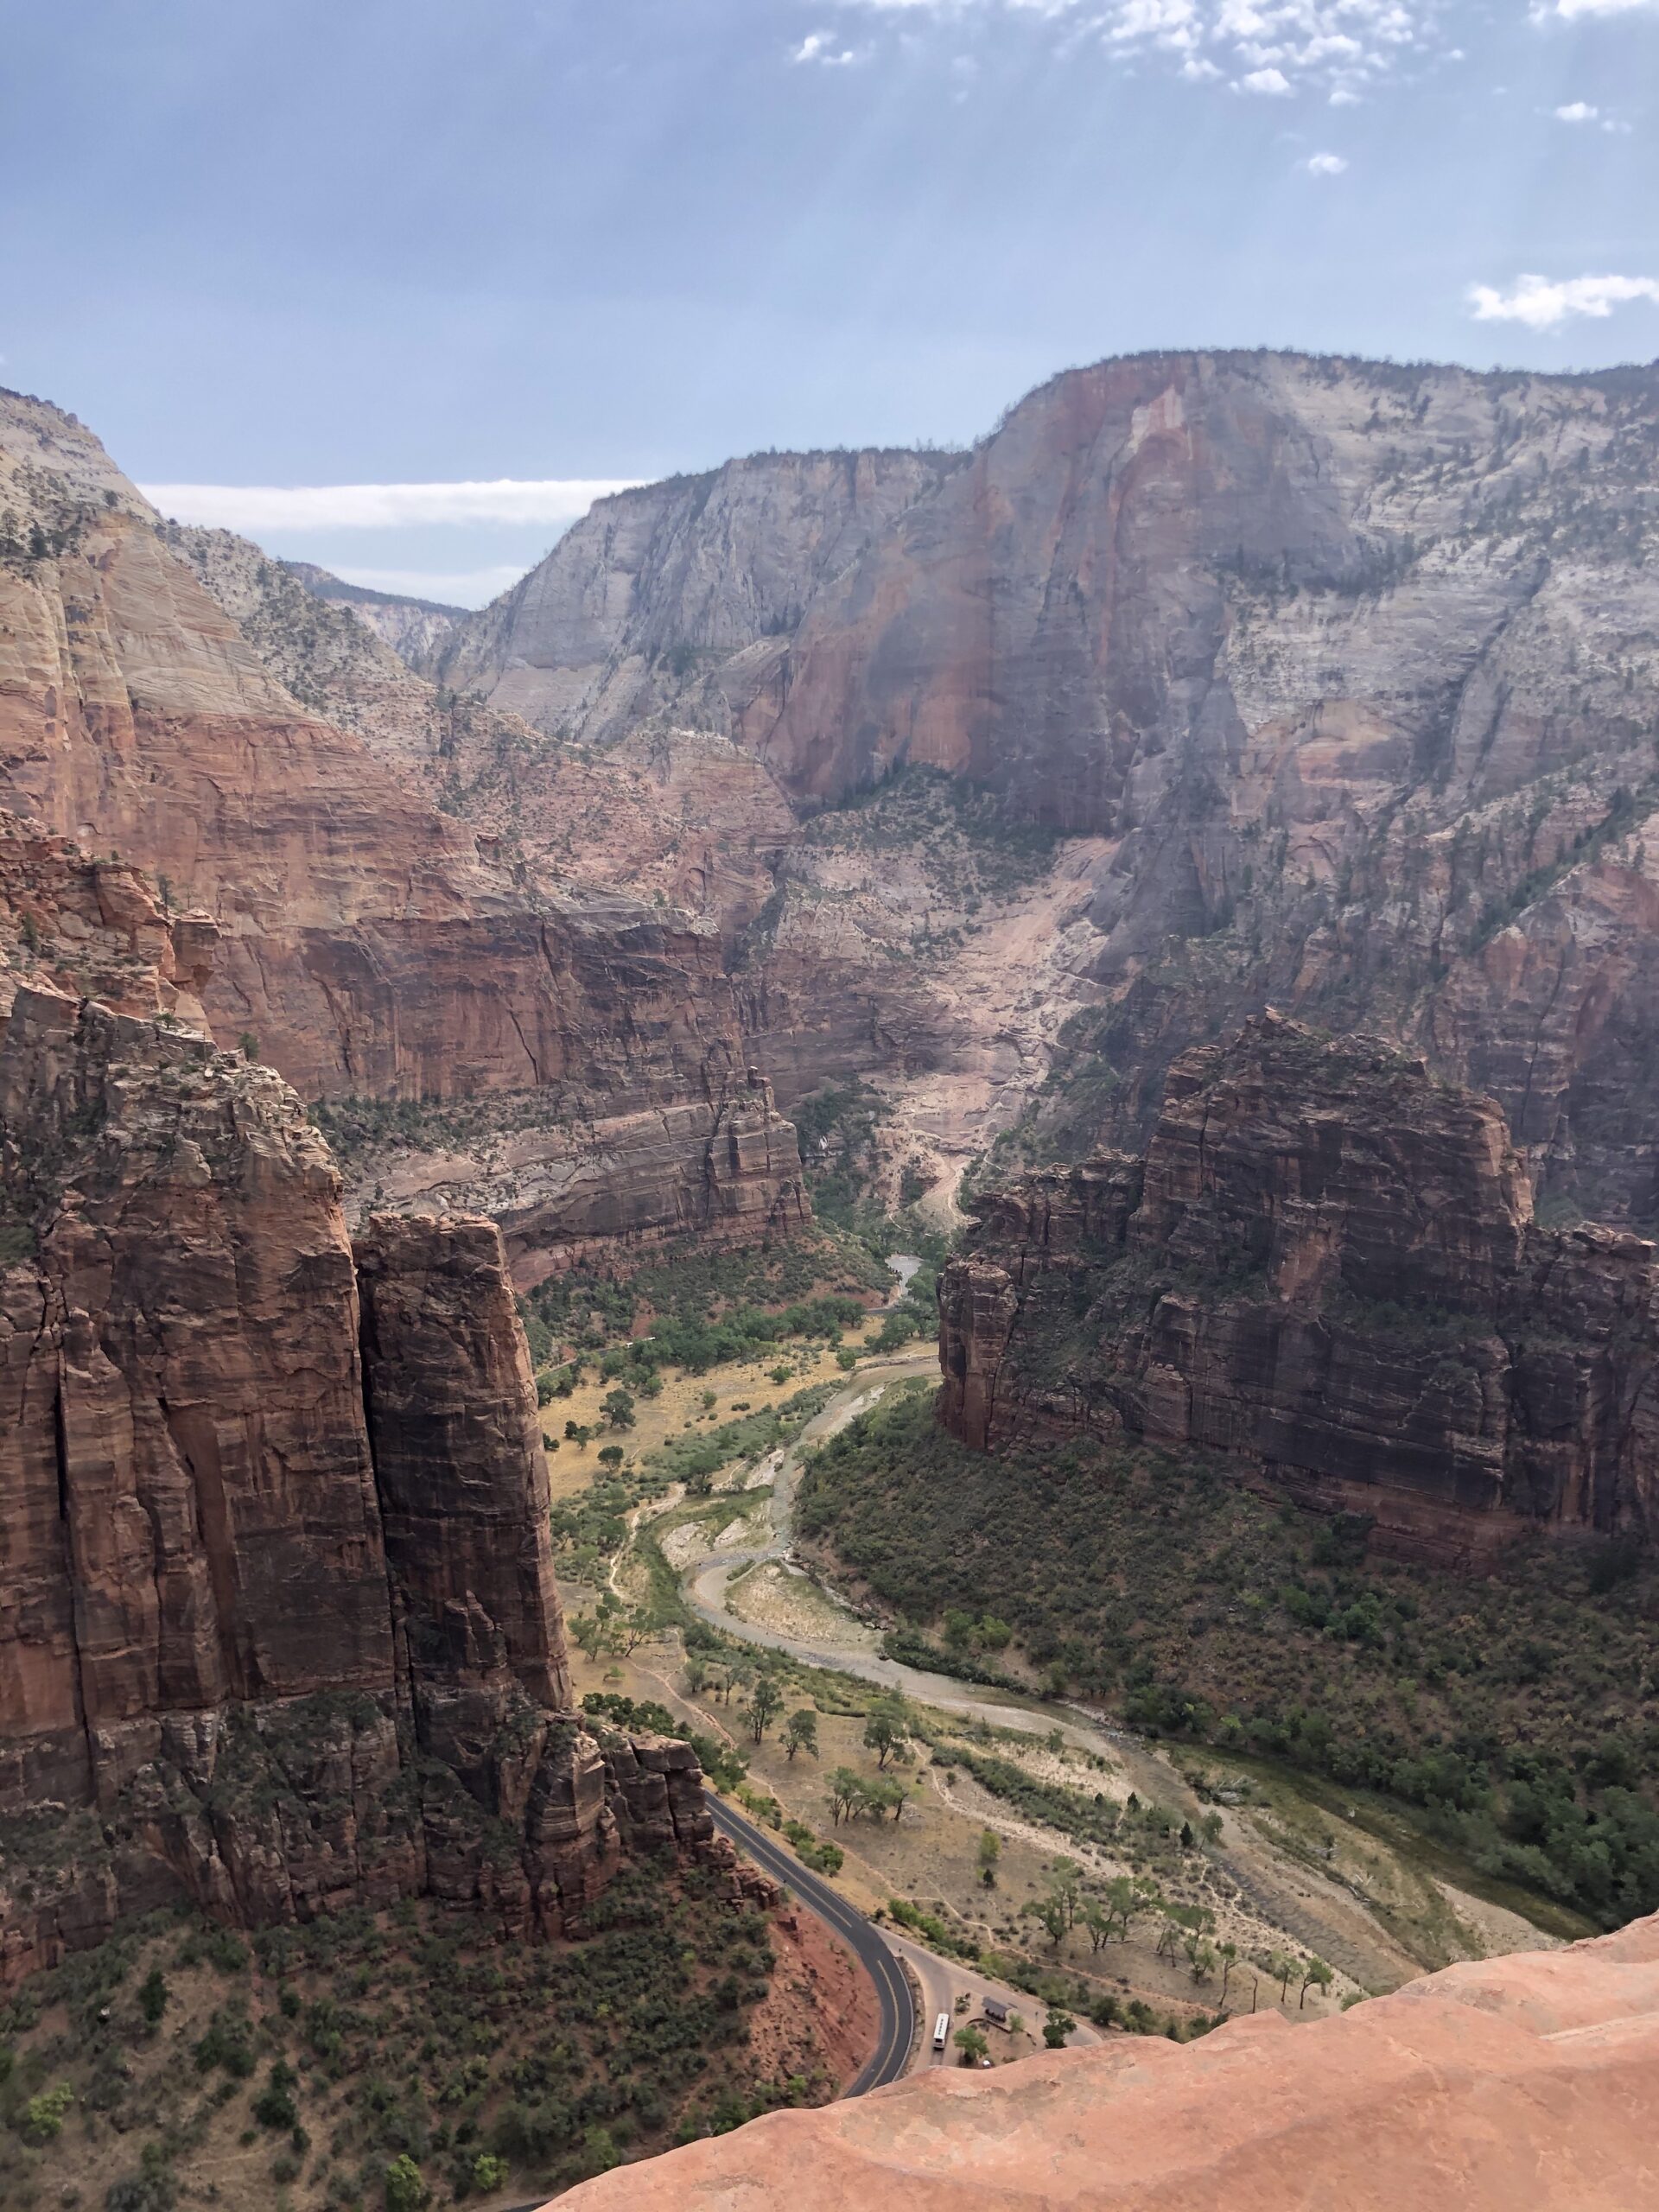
(898, 2006)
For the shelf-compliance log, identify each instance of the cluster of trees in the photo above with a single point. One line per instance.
(693, 1312)
(612, 1629)
(852, 1795)
(1157, 1584)
(1107, 1911)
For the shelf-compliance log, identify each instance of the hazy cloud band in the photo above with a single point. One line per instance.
(255, 507)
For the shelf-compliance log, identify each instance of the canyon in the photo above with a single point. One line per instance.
(368, 944)
(1204, 838)
(1332, 681)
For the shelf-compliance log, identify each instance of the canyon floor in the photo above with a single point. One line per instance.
(1296, 1867)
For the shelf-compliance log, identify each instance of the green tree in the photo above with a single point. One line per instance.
(886, 1728)
(611, 1456)
(152, 1996)
(1228, 1953)
(274, 2107)
(970, 2042)
(1201, 1956)
(617, 1407)
(1056, 2028)
(801, 1732)
(488, 2172)
(1315, 1975)
(990, 1850)
(765, 1703)
(846, 1787)
(1050, 1912)
(405, 2190)
(588, 1632)
(1065, 1880)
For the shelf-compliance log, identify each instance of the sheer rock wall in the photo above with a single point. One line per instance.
(1326, 1267)
(278, 1624)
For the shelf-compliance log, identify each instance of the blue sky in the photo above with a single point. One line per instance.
(277, 242)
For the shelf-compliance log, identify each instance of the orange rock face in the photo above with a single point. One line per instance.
(370, 946)
(1529, 2081)
(278, 1624)
(1325, 1266)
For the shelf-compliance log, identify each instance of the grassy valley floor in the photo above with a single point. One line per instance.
(1515, 1719)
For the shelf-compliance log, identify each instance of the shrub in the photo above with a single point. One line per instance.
(43, 2114)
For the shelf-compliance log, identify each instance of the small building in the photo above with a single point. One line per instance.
(996, 2011)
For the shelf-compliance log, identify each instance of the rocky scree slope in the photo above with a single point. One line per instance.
(1526, 2079)
(1325, 1266)
(279, 1628)
(1348, 670)
(368, 944)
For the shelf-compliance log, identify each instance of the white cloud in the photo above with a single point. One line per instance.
(254, 507)
(1342, 47)
(1542, 305)
(819, 47)
(1343, 98)
(465, 587)
(1572, 7)
(1325, 165)
(1576, 111)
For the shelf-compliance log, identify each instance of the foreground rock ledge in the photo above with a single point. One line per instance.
(1527, 2083)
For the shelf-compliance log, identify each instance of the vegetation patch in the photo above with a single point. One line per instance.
(1518, 1715)
(406, 2060)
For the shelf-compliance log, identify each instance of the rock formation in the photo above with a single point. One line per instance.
(1528, 2080)
(416, 629)
(278, 1624)
(684, 589)
(371, 945)
(1325, 1266)
(1339, 678)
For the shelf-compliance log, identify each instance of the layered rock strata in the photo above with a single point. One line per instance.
(1326, 1267)
(1346, 672)
(277, 1626)
(371, 945)
(1528, 2080)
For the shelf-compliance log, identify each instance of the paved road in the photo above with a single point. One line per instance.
(898, 2006)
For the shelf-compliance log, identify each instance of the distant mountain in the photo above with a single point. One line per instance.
(1352, 669)
(414, 628)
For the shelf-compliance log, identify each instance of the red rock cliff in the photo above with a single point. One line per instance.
(370, 944)
(1325, 1266)
(239, 1661)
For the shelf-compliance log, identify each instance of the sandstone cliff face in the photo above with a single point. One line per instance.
(371, 945)
(1524, 2080)
(259, 1646)
(680, 591)
(1344, 673)
(1326, 1265)
(96, 929)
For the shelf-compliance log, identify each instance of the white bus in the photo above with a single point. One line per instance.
(941, 2032)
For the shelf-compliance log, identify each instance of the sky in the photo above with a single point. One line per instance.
(396, 285)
